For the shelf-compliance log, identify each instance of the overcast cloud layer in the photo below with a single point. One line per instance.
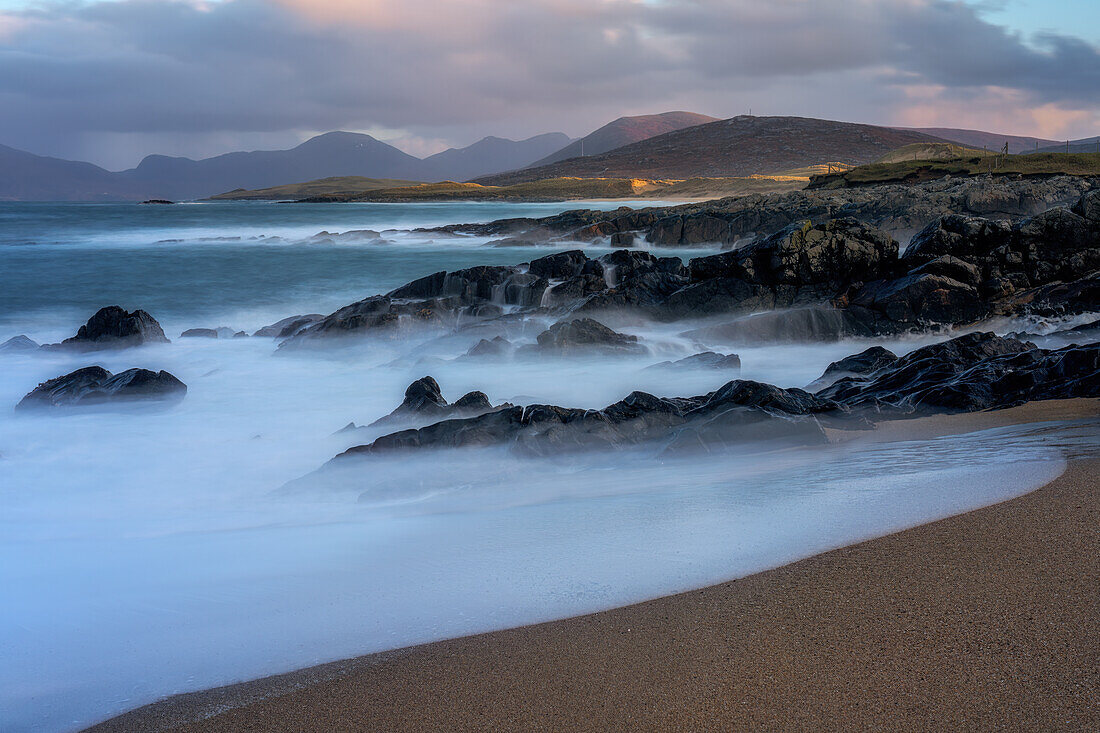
(112, 81)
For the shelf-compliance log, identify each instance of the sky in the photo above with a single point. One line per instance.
(110, 81)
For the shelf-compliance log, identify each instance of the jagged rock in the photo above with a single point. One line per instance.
(560, 265)
(704, 360)
(581, 335)
(95, 385)
(113, 328)
(864, 362)
(737, 410)
(424, 402)
(288, 326)
(19, 343)
(497, 346)
(976, 371)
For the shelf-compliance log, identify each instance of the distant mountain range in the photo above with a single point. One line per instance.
(1085, 145)
(671, 145)
(624, 131)
(28, 177)
(739, 146)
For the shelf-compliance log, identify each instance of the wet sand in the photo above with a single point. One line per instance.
(987, 620)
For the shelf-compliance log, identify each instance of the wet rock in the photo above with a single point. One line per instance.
(19, 343)
(581, 335)
(424, 402)
(704, 360)
(560, 265)
(976, 371)
(95, 385)
(865, 362)
(496, 346)
(114, 328)
(288, 326)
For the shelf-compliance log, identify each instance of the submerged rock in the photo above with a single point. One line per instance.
(115, 328)
(95, 385)
(581, 335)
(704, 360)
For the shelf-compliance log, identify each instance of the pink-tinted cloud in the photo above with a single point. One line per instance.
(202, 74)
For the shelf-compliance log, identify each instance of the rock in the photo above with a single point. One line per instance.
(976, 371)
(1088, 206)
(112, 328)
(581, 335)
(95, 385)
(796, 325)
(497, 346)
(206, 333)
(865, 362)
(560, 265)
(158, 201)
(704, 360)
(424, 402)
(288, 326)
(19, 343)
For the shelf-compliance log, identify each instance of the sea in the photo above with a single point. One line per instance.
(149, 552)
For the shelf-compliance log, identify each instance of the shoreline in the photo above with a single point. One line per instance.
(787, 646)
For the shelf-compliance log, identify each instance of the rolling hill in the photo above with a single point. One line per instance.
(1085, 145)
(737, 147)
(624, 131)
(28, 177)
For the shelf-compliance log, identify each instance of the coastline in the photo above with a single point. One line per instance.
(988, 619)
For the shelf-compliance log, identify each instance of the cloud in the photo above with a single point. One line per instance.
(210, 74)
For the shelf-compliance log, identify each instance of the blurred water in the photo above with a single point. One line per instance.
(149, 552)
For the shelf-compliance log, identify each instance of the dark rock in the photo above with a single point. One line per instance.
(586, 335)
(425, 403)
(560, 265)
(497, 346)
(113, 327)
(208, 333)
(704, 360)
(288, 326)
(865, 362)
(19, 343)
(976, 371)
(95, 385)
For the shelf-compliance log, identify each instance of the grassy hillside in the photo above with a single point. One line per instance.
(914, 171)
(567, 188)
(929, 151)
(336, 186)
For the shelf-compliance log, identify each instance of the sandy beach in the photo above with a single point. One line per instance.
(988, 620)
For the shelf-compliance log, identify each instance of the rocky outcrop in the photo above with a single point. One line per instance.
(977, 371)
(585, 335)
(222, 332)
(95, 385)
(425, 403)
(865, 362)
(703, 360)
(839, 277)
(288, 326)
(739, 411)
(115, 328)
(894, 208)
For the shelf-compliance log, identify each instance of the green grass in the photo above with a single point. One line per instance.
(914, 171)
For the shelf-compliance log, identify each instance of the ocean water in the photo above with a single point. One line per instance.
(145, 552)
